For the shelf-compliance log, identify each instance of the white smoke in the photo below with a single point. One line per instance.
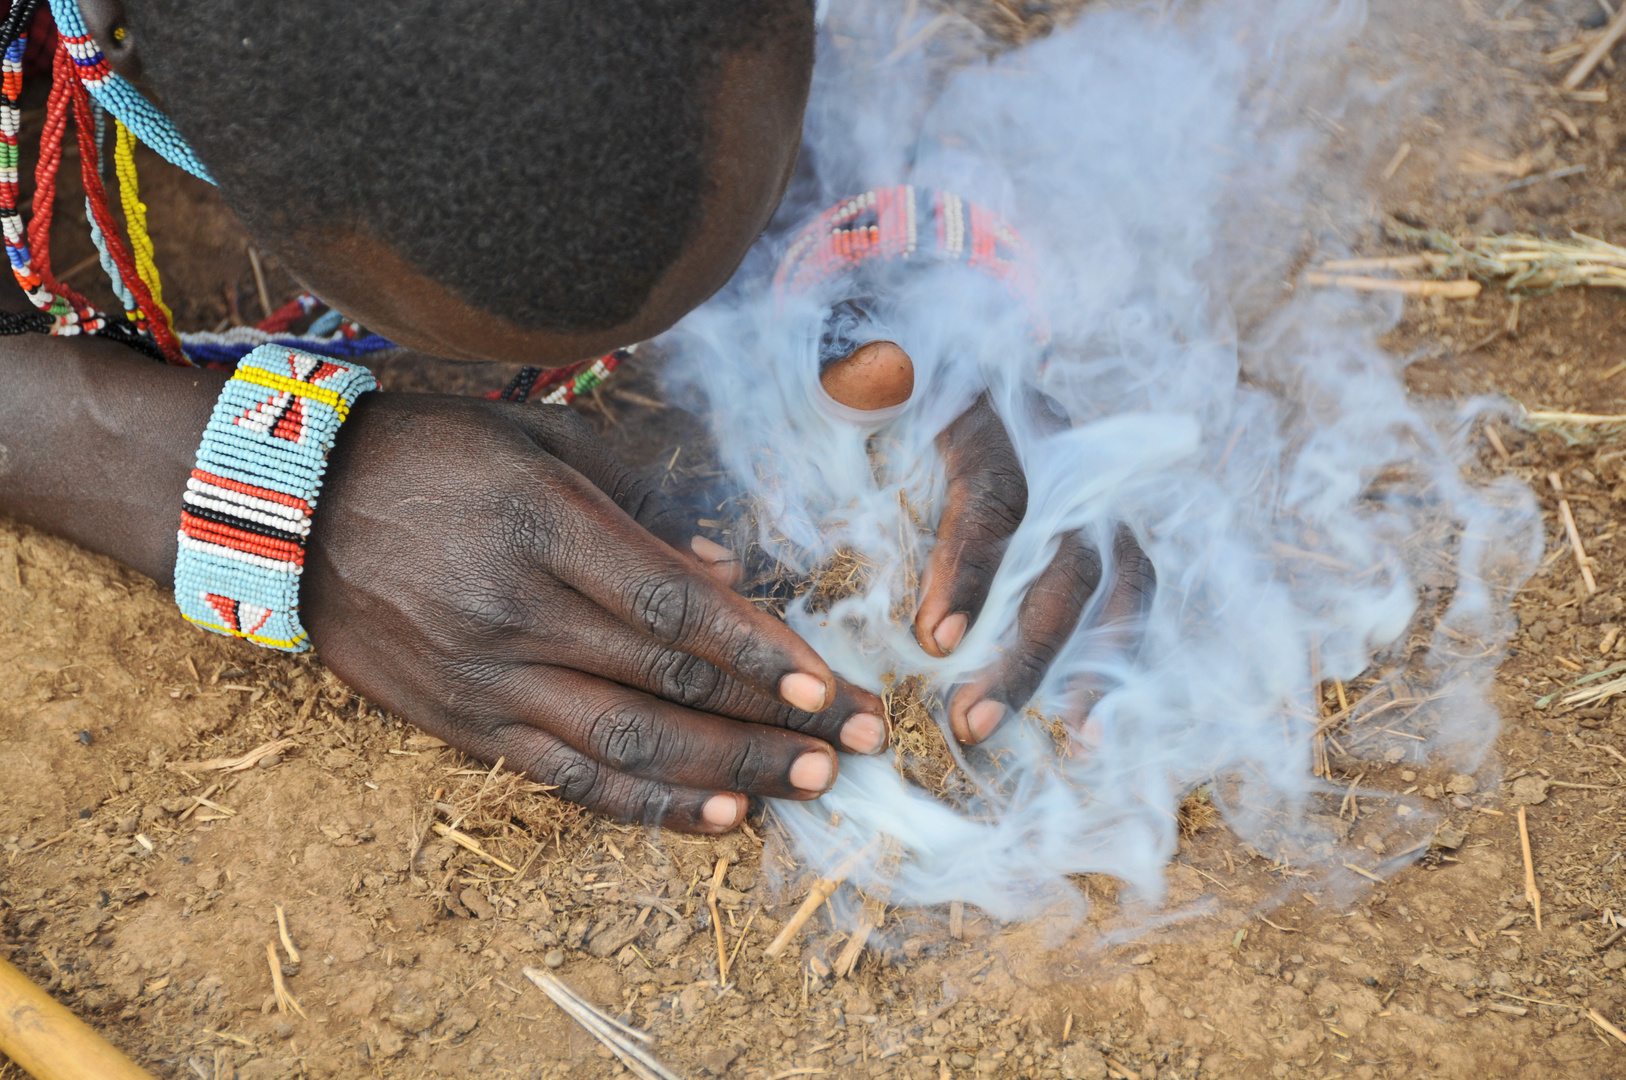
(1297, 506)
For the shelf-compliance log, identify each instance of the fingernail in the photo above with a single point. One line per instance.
(863, 733)
(802, 691)
(982, 718)
(813, 771)
(710, 550)
(721, 810)
(950, 631)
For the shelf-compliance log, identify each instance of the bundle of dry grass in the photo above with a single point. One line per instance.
(920, 750)
(1525, 265)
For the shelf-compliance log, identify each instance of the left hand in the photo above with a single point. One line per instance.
(986, 499)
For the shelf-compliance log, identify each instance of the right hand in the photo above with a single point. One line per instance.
(494, 574)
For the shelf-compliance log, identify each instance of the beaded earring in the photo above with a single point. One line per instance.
(83, 83)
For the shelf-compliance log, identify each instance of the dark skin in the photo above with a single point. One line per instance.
(491, 571)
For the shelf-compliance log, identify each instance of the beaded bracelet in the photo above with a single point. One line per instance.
(246, 511)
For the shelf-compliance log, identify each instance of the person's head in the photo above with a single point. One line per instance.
(527, 180)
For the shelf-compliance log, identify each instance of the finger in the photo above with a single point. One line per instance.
(875, 375)
(1046, 621)
(588, 543)
(579, 778)
(985, 500)
(599, 645)
(720, 562)
(641, 735)
(1120, 630)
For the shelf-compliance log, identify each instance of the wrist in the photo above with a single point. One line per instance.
(96, 444)
(251, 495)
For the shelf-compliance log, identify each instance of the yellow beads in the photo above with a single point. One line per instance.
(135, 217)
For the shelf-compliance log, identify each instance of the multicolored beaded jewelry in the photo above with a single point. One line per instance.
(569, 381)
(28, 248)
(246, 512)
(331, 335)
(118, 96)
(903, 222)
(82, 82)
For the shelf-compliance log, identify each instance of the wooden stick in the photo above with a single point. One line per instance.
(1531, 893)
(282, 929)
(854, 948)
(957, 919)
(1451, 290)
(1553, 417)
(48, 1042)
(1381, 262)
(234, 764)
(1600, 49)
(740, 944)
(83, 264)
(1395, 162)
(259, 282)
(716, 922)
(821, 891)
(1581, 559)
(285, 1000)
(43, 844)
(473, 845)
(1597, 1018)
(1496, 443)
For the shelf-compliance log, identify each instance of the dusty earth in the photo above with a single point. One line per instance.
(149, 911)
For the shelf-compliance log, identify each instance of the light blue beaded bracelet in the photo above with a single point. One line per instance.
(246, 510)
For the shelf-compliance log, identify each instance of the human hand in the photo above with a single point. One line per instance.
(985, 501)
(494, 574)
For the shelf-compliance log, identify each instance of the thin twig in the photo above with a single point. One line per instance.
(1593, 1014)
(1531, 893)
(716, 922)
(1450, 290)
(855, 946)
(1581, 558)
(473, 845)
(282, 929)
(1600, 49)
(285, 1000)
(1550, 416)
(234, 764)
(259, 282)
(616, 1036)
(821, 891)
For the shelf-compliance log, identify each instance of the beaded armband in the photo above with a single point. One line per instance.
(247, 507)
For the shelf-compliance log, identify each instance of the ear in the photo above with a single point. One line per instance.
(106, 23)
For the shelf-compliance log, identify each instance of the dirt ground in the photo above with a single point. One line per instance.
(149, 910)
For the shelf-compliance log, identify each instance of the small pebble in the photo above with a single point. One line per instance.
(555, 958)
(1462, 802)
(283, 1029)
(1462, 784)
(85, 737)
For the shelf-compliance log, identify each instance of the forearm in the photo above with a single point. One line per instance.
(96, 443)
